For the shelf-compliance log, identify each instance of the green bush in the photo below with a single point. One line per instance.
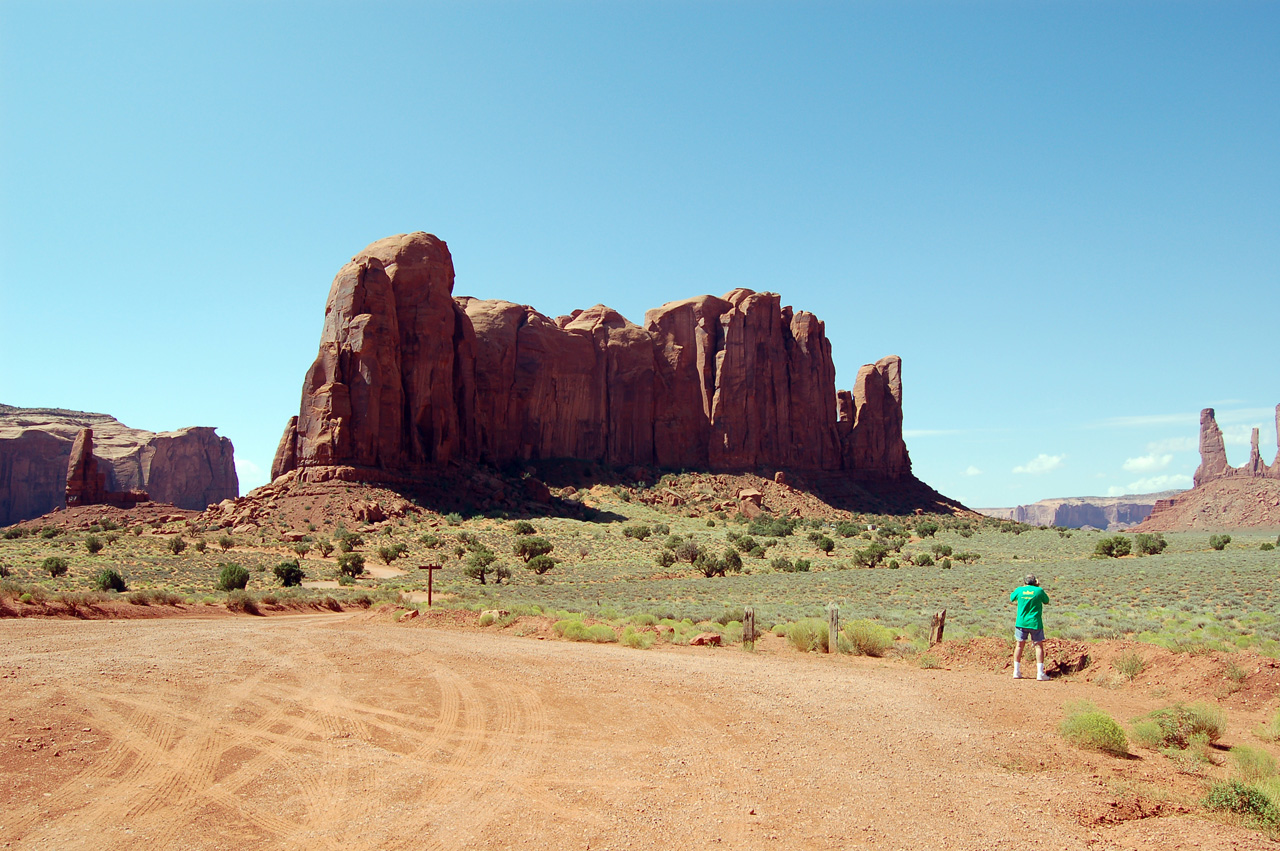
(1129, 665)
(226, 542)
(808, 634)
(523, 527)
(801, 565)
(665, 558)
(325, 547)
(177, 545)
(540, 563)
(967, 558)
(55, 566)
(576, 630)
(239, 600)
(432, 542)
(825, 544)
(867, 638)
(301, 548)
(639, 639)
(1173, 726)
(528, 547)
(200, 545)
(871, 555)
(770, 527)
(1267, 546)
(479, 563)
(941, 550)
(1270, 731)
(1252, 764)
(1113, 547)
(232, 577)
(391, 552)
(926, 529)
(93, 544)
(1149, 545)
(638, 531)
(289, 573)
(50, 532)
(349, 541)
(782, 564)
(1235, 797)
(351, 564)
(109, 579)
(923, 560)
(1087, 727)
(453, 518)
(1219, 542)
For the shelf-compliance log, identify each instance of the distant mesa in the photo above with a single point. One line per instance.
(1223, 497)
(410, 381)
(51, 457)
(1097, 512)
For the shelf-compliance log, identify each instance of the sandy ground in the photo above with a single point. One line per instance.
(350, 732)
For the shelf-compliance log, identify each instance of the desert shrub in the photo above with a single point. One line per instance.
(1267, 546)
(432, 542)
(109, 579)
(540, 563)
(479, 563)
(802, 565)
(709, 565)
(1232, 796)
(808, 634)
(1087, 727)
(782, 564)
(893, 564)
(13, 533)
(523, 527)
(289, 573)
(5, 571)
(941, 550)
(240, 600)
(1174, 726)
(1270, 731)
(967, 558)
(325, 547)
(688, 550)
(665, 558)
(1219, 542)
(848, 529)
(177, 545)
(528, 547)
(55, 566)
(1129, 665)
(349, 541)
(576, 630)
(232, 577)
(139, 598)
(661, 529)
(770, 527)
(871, 555)
(93, 544)
(867, 638)
(1149, 545)
(745, 543)
(825, 544)
(639, 639)
(756, 552)
(1252, 764)
(945, 564)
(639, 531)
(391, 552)
(226, 542)
(50, 532)
(922, 560)
(926, 529)
(200, 545)
(1113, 547)
(453, 518)
(731, 560)
(302, 548)
(351, 564)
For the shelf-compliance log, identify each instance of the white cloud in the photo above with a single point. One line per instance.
(1167, 482)
(249, 474)
(1173, 444)
(1147, 463)
(1116, 490)
(1042, 463)
(971, 471)
(1237, 435)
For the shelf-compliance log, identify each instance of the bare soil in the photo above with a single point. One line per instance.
(352, 731)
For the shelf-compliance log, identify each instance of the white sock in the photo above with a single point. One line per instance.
(1039, 670)
(1017, 669)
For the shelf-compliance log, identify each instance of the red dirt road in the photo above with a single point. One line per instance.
(350, 732)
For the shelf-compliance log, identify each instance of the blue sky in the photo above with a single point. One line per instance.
(1065, 217)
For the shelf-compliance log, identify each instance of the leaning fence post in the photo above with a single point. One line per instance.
(935, 628)
(833, 628)
(749, 628)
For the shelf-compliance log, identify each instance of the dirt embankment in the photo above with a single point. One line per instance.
(350, 731)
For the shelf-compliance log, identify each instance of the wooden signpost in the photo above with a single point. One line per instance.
(431, 572)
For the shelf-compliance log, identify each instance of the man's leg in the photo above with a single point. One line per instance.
(1040, 674)
(1017, 658)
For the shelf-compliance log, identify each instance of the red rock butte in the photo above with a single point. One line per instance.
(410, 379)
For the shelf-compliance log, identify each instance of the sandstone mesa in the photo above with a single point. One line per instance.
(410, 379)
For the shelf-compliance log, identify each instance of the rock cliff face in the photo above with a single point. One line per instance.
(1100, 512)
(190, 468)
(409, 380)
(1213, 454)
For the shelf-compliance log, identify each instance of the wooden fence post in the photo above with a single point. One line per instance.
(936, 628)
(749, 628)
(833, 628)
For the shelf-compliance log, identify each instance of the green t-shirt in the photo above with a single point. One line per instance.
(1030, 600)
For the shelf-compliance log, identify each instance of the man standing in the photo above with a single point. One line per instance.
(1030, 599)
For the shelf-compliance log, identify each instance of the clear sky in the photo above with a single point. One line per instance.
(1065, 217)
